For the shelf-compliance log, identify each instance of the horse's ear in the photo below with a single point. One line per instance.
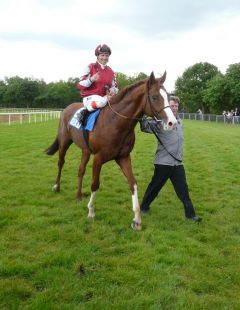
(151, 80)
(163, 78)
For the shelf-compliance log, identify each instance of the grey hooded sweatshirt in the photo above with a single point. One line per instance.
(172, 141)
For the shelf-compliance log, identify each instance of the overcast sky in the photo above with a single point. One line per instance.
(54, 39)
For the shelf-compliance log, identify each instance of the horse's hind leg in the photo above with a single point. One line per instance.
(126, 166)
(81, 172)
(63, 147)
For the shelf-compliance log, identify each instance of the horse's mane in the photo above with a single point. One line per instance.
(123, 92)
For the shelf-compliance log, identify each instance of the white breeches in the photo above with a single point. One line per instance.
(94, 102)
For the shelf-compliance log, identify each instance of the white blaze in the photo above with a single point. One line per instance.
(170, 121)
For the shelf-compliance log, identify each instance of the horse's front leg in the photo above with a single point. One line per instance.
(81, 172)
(97, 165)
(126, 166)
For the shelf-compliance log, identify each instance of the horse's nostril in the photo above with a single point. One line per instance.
(170, 124)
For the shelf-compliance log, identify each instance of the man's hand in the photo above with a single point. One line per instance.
(95, 77)
(112, 91)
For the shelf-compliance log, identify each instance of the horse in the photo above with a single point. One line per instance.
(113, 135)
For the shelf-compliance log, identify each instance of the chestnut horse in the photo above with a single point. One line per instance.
(113, 135)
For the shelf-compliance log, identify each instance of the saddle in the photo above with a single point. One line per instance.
(90, 122)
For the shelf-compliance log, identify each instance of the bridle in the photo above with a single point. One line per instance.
(148, 101)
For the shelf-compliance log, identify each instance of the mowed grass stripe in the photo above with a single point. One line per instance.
(53, 257)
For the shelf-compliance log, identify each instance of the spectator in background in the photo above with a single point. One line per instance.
(229, 116)
(236, 116)
(200, 113)
(237, 111)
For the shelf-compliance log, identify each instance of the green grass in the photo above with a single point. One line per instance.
(53, 257)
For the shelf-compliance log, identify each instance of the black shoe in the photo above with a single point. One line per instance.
(145, 211)
(82, 117)
(195, 219)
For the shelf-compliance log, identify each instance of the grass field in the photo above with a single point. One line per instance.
(53, 257)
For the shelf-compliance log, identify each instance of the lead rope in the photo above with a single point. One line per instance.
(121, 115)
(159, 140)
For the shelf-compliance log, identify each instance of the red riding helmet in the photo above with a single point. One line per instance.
(102, 49)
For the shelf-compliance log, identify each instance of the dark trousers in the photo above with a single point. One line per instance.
(178, 178)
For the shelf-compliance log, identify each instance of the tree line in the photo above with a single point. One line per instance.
(17, 92)
(201, 86)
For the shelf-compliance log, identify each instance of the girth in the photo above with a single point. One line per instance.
(86, 138)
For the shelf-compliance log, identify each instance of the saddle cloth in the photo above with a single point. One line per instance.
(90, 121)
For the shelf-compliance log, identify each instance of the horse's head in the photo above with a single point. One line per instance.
(157, 105)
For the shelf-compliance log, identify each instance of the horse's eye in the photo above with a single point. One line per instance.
(155, 98)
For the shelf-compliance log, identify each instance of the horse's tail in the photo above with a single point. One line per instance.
(53, 148)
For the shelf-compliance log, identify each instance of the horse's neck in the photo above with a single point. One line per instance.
(125, 115)
(131, 109)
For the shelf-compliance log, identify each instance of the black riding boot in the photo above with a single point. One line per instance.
(82, 117)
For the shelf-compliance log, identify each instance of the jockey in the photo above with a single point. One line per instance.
(97, 83)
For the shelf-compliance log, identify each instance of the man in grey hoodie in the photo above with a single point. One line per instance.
(168, 163)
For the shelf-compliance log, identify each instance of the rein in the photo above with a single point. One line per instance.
(123, 116)
(148, 100)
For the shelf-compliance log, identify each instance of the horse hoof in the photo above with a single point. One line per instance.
(91, 216)
(56, 188)
(79, 198)
(136, 226)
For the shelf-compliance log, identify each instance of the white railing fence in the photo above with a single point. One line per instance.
(28, 116)
(11, 116)
(211, 118)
